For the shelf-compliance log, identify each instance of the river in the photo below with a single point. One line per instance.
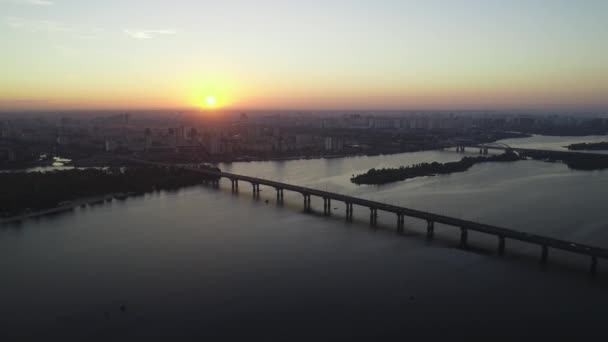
(207, 263)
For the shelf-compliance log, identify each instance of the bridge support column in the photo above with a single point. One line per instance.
(400, 223)
(373, 216)
(480, 150)
(485, 150)
(347, 206)
(324, 206)
(349, 211)
(279, 195)
(544, 254)
(306, 202)
(463, 237)
(593, 268)
(234, 183)
(501, 245)
(430, 229)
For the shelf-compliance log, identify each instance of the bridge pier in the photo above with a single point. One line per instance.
(501, 245)
(279, 195)
(349, 211)
(234, 183)
(400, 223)
(306, 202)
(326, 206)
(256, 189)
(373, 216)
(483, 150)
(463, 237)
(544, 254)
(430, 229)
(593, 268)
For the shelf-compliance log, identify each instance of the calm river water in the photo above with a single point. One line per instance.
(206, 263)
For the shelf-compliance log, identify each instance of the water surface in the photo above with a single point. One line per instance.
(205, 263)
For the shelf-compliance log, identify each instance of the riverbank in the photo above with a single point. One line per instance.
(47, 192)
(82, 202)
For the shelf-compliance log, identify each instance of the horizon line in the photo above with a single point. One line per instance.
(591, 108)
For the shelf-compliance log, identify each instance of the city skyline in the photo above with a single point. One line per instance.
(293, 55)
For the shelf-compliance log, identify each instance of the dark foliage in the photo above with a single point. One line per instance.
(589, 146)
(36, 190)
(384, 176)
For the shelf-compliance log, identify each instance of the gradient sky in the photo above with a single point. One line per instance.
(303, 54)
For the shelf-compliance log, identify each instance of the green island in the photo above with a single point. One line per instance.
(598, 146)
(383, 176)
(25, 192)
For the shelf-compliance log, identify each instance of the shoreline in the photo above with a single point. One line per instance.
(87, 201)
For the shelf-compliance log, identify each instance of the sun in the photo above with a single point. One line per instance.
(210, 101)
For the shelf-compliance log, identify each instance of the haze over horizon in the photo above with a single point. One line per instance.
(61, 54)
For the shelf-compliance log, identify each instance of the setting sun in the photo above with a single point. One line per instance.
(210, 101)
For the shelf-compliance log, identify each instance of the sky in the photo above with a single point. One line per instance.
(381, 54)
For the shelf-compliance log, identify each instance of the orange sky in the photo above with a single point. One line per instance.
(303, 55)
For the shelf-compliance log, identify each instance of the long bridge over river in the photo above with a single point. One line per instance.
(465, 226)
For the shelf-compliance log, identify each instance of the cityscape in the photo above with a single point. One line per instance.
(242, 137)
(303, 171)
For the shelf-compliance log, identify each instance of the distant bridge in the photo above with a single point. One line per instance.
(485, 147)
(400, 212)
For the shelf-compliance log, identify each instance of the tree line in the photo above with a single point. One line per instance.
(389, 175)
(25, 191)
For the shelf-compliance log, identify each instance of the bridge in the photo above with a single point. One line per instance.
(484, 148)
(502, 234)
